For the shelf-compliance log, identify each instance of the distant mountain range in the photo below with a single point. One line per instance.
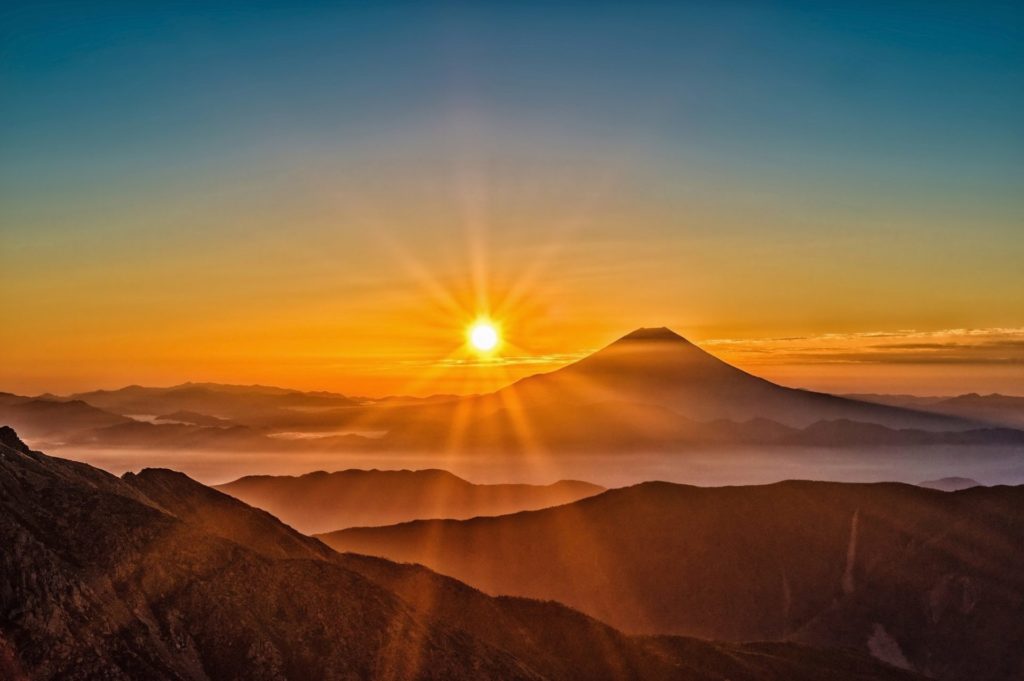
(320, 501)
(951, 484)
(924, 579)
(157, 577)
(651, 390)
(995, 409)
(213, 399)
(47, 418)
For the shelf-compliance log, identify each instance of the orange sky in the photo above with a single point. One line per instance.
(364, 293)
(391, 319)
(241, 204)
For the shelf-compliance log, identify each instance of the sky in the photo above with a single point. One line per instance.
(325, 195)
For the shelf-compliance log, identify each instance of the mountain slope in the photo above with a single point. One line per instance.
(97, 584)
(562, 641)
(650, 390)
(234, 402)
(660, 367)
(996, 409)
(914, 575)
(318, 502)
(46, 418)
(1005, 410)
(950, 484)
(158, 577)
(654, 390)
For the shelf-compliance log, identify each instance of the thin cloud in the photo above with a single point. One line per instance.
(987, 346)
(523, 360)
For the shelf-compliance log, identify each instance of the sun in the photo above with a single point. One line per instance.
(483, 336)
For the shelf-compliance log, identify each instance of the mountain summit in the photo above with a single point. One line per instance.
(660, 333)
(654, 390)
(657, 367)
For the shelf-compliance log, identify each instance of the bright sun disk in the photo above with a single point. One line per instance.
(483, 336)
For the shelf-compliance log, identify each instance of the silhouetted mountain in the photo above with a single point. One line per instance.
(653, 389)
(157, 577)
(142, 435)
(606, 426)
(631, 427)
(77, 422)
(224, 516)
(318, 502)
(996, 409)
(96, 584)
(48, 419)
(846, 433)
(951, 484)
(914, 576)
(263, 409)
(660, 367)
(211, 399)
(650, 390)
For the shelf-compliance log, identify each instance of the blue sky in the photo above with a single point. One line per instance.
(921, 85)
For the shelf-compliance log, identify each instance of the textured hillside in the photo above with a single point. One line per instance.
(918, 577)
(158, 577)
(318, 502)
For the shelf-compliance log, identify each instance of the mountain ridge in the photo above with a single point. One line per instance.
(873, 566)
(101, 581)
(651, 389)
(321, 501)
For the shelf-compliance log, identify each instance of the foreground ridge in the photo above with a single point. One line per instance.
(155, 576)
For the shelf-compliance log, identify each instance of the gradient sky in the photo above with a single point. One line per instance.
(323, 195)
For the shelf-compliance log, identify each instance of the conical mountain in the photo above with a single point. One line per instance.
(658, 367)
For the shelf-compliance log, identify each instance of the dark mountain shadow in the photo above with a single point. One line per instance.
(155, 576)
(321, 501)
(916, 576)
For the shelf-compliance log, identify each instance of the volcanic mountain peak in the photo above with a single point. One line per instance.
(659, 346)
(660, 333)
(654, 359)
(658, 367)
